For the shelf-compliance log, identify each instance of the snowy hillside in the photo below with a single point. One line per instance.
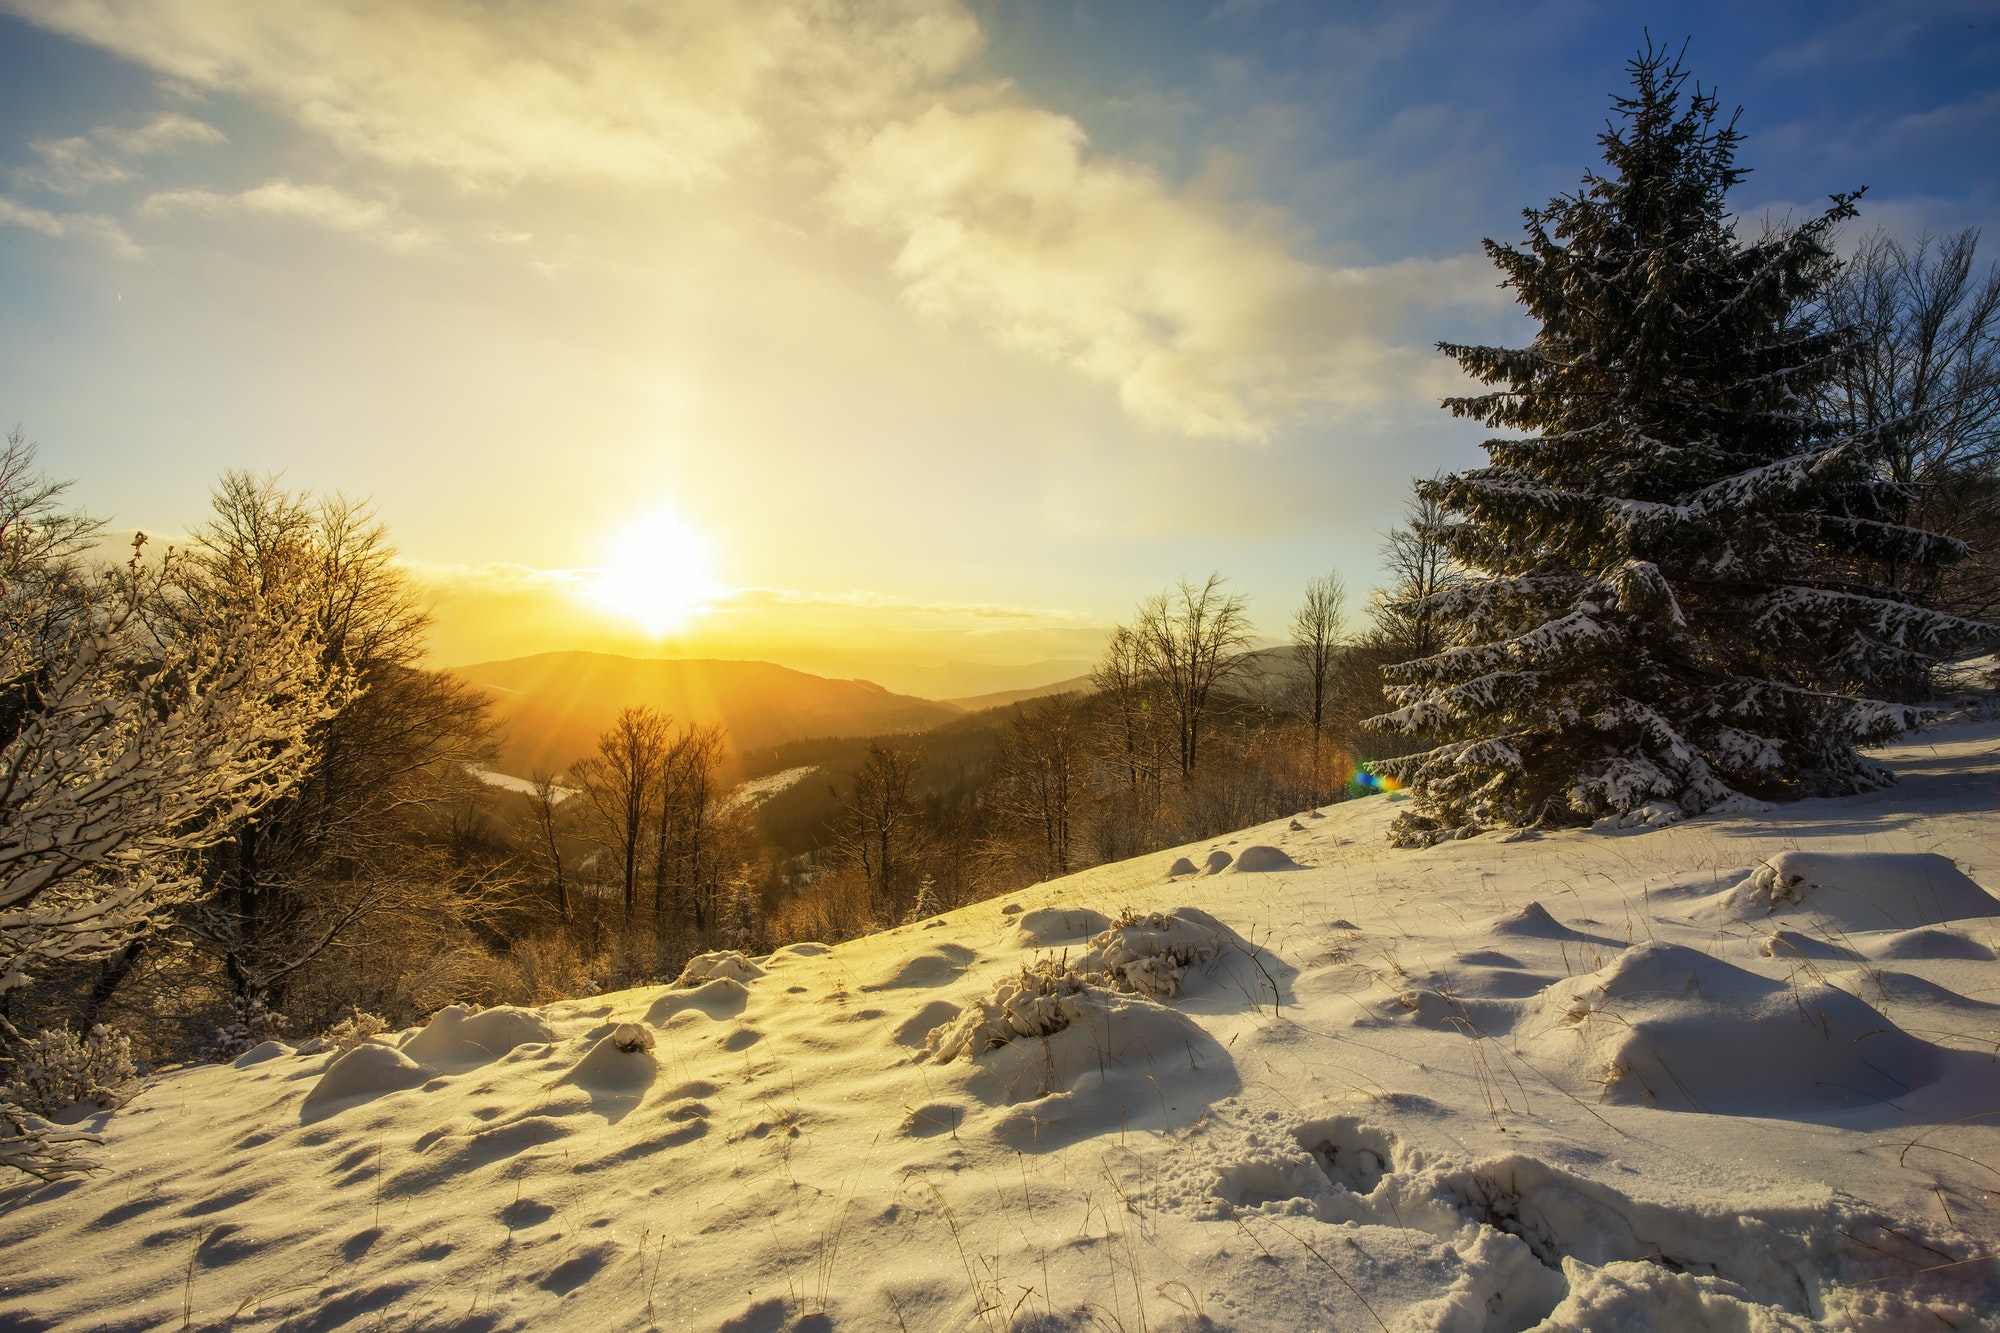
(1738, 1073)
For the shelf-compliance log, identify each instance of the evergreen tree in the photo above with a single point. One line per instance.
(1665, 605)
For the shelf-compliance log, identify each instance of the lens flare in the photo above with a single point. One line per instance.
(1353, 773)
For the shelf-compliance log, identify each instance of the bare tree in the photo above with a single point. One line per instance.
(882, 822)
(1124, 680)
(1923, 384)
(546, 796)
(1420, 566)
(1316, 648)
(621, 781)
(685, 862)
(1191, 639)
(1044, 777)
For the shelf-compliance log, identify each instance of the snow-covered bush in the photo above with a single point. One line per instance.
(1144, 952)
(351, 1031)
(56, 1070)
(1043, 1000)
(251, 1023)
(722, 963)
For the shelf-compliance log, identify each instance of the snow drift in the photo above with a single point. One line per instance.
(1570, 1083)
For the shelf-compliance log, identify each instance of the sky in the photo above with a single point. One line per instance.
(908, 339)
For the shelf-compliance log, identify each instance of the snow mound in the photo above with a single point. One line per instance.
(1883, 985)
(1258, 858)
(932, 966)
(258, 1054)
(458, 1039)
(369, 1070)
(1218, 861)
(1181, 866)
(1049, 1035)
(1858, 890)
(809, 949)
(1668, 1026)
(1534, 922)
(723, 997)
(1146, 952)
(731, 963)
(1047, 927)
(1653, 814)
(617, 1063)
(1931, 942)
(1792, 945)
(1735, 804)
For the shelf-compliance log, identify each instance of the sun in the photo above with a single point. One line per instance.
(658, 573)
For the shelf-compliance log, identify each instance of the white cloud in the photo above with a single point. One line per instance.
(494, 93)
(1205, 321)
(163, 133)
(1206, 325)
(78, 164)
(72, 166)
(86, 226)
(321, 205)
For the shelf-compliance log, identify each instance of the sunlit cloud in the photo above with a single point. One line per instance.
(321, 205)
(78, 164)
(1206, 325)
(86, 226)
(941, 648)
(498, 93)
(1207, 319)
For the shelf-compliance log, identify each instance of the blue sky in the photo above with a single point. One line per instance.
(934, 331)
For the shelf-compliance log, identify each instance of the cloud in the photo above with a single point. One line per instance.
(1208, 321)
(86, 226)
(76, 165)
(495, 93)
(321, 205)
(506, 577)
(1206, 325)
(163, 133)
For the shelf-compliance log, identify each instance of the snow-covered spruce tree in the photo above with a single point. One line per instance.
(1665, 605)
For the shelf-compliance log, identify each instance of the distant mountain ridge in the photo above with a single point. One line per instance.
(552, 706)
(1000, 698)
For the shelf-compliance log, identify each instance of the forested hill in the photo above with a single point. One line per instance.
(553, 705)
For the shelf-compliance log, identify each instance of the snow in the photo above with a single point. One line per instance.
(520, 786)
(1859, 890)
(1734, 1072)
(755, 792)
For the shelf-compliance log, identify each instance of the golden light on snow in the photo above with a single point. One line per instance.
(658, 573)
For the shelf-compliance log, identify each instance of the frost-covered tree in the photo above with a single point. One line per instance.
(1925, 383)
(123, 754)
(1663, 605)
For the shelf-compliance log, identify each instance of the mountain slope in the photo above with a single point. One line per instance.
(553, 705)
(1667, 1078)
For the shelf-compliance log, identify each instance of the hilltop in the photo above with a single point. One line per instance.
(553, 705)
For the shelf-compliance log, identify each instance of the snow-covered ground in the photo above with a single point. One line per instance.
(1736, 1074)
(759, 790)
